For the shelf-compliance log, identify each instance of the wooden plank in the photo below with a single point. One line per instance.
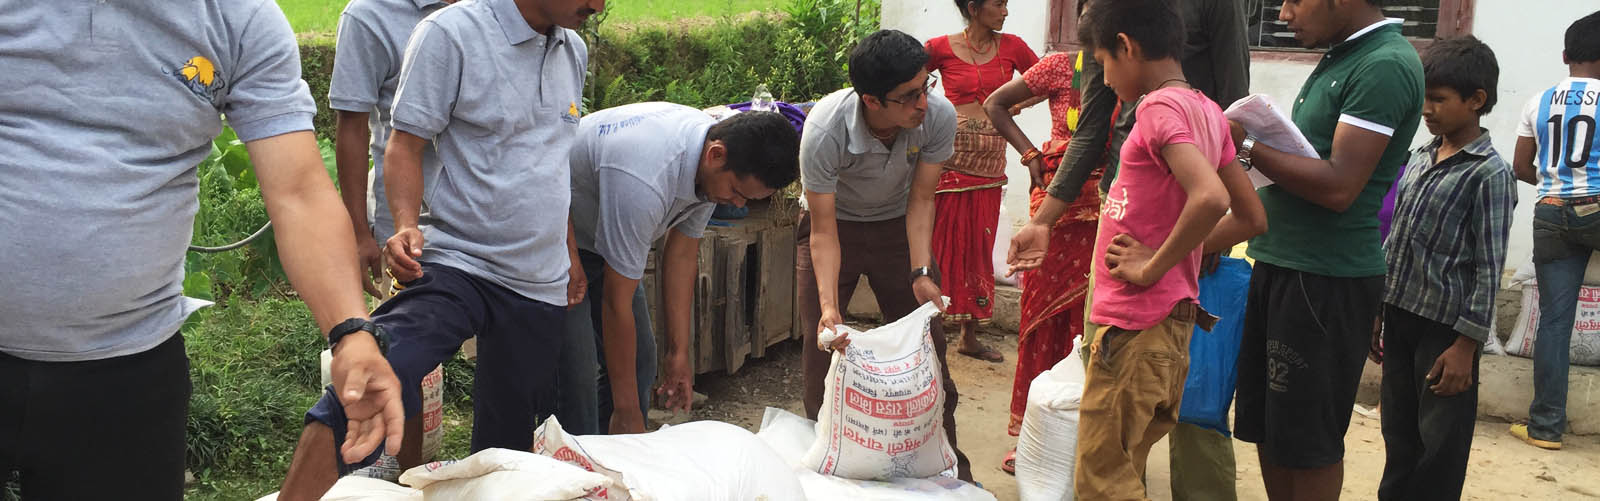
(651, 282)
(706, 349)
(774, 319)
(732, 254)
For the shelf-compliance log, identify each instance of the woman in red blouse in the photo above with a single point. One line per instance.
(972, 64)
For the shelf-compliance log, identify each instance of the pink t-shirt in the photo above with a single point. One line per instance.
(1146, 199)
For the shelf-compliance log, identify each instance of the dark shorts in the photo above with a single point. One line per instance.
(519, 345)
(1304, 346)
(97, 429)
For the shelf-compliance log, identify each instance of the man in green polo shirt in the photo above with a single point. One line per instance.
(1315, 291)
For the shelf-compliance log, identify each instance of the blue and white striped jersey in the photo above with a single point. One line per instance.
(1562, 120)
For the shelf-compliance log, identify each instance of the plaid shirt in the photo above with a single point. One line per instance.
(1447, 246)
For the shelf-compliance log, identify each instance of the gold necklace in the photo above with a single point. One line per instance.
(973, 48)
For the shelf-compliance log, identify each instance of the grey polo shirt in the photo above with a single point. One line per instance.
(101, 126)
(870, 182)
(366, 71)
(500, 102)
(633, 178)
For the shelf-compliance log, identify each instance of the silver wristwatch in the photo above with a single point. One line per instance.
(921, 271)
(1245, 147)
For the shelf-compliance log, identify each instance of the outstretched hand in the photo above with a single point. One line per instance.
(370, 393)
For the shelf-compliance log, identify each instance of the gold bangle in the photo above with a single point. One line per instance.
(1030, 155)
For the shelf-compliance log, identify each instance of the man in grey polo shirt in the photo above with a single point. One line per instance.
(366, 71)
(104, 123)
(637, 171)
(495, 85)
(870, 159)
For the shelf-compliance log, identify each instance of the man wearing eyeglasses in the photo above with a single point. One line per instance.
(870, 160)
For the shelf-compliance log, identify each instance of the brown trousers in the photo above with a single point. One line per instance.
(878, 250)
(1131, 400)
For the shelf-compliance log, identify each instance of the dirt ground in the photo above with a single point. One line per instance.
(1502, 467)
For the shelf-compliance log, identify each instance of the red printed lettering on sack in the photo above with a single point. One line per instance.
(1589, 295)
(853, 435)
(909, 444)
(892, 409)
(569, 456)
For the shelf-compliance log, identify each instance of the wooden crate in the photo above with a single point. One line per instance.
(744, 291)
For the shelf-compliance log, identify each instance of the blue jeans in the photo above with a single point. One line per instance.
(584, 405)
(1562, 242)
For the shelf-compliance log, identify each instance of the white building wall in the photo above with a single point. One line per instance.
(1526, 39)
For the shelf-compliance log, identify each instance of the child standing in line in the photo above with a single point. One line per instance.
(1178, 179)
(1446, 248)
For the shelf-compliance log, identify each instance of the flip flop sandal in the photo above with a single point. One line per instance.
(986, 354)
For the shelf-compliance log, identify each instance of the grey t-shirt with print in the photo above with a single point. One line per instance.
(366, 70)
(633, 178)
(500, 103)
(105, 111)
(870, 181)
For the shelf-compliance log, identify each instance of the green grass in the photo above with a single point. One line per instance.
(313, 16)
(322, 16)
(627, 11)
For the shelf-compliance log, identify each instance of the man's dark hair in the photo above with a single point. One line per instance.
(1583, 39)
(962, 5)
(762, 144)
(884, 60)
(1465, 65)
(1155, 24)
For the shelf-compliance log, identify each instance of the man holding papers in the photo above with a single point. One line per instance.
(1315, 292)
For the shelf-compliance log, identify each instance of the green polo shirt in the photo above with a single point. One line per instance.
(1372, 81)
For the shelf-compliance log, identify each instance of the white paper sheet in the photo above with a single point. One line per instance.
(1271, 127)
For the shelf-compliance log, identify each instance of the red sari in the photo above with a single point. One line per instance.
(1053, 295)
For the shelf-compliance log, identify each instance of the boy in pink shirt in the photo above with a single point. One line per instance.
(1177, 182)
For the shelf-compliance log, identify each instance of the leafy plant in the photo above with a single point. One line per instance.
(231, 209)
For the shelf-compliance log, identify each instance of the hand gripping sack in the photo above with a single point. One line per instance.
(1047, 447)
(882, 411)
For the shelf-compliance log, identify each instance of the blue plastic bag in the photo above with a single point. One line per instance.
(1214, 356)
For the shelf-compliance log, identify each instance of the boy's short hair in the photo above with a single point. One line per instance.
(1155, 24)
(1464, 64)
(884, 60)
(1583, 39)
(762, 144)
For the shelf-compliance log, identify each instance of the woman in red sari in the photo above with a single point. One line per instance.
(972, 64)
(1053, 295)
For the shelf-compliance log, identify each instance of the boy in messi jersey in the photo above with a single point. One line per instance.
(1557, 152)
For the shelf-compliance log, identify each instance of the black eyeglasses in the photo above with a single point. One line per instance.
(915, 95)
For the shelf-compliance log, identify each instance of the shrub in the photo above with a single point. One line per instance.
(316, 68)
(799, 55)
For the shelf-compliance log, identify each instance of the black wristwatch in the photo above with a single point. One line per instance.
(352, 325)
(921, 271)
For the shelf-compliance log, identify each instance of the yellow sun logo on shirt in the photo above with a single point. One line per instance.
(572, 113)
(199, 69)
(912, 154)
(201, 76)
